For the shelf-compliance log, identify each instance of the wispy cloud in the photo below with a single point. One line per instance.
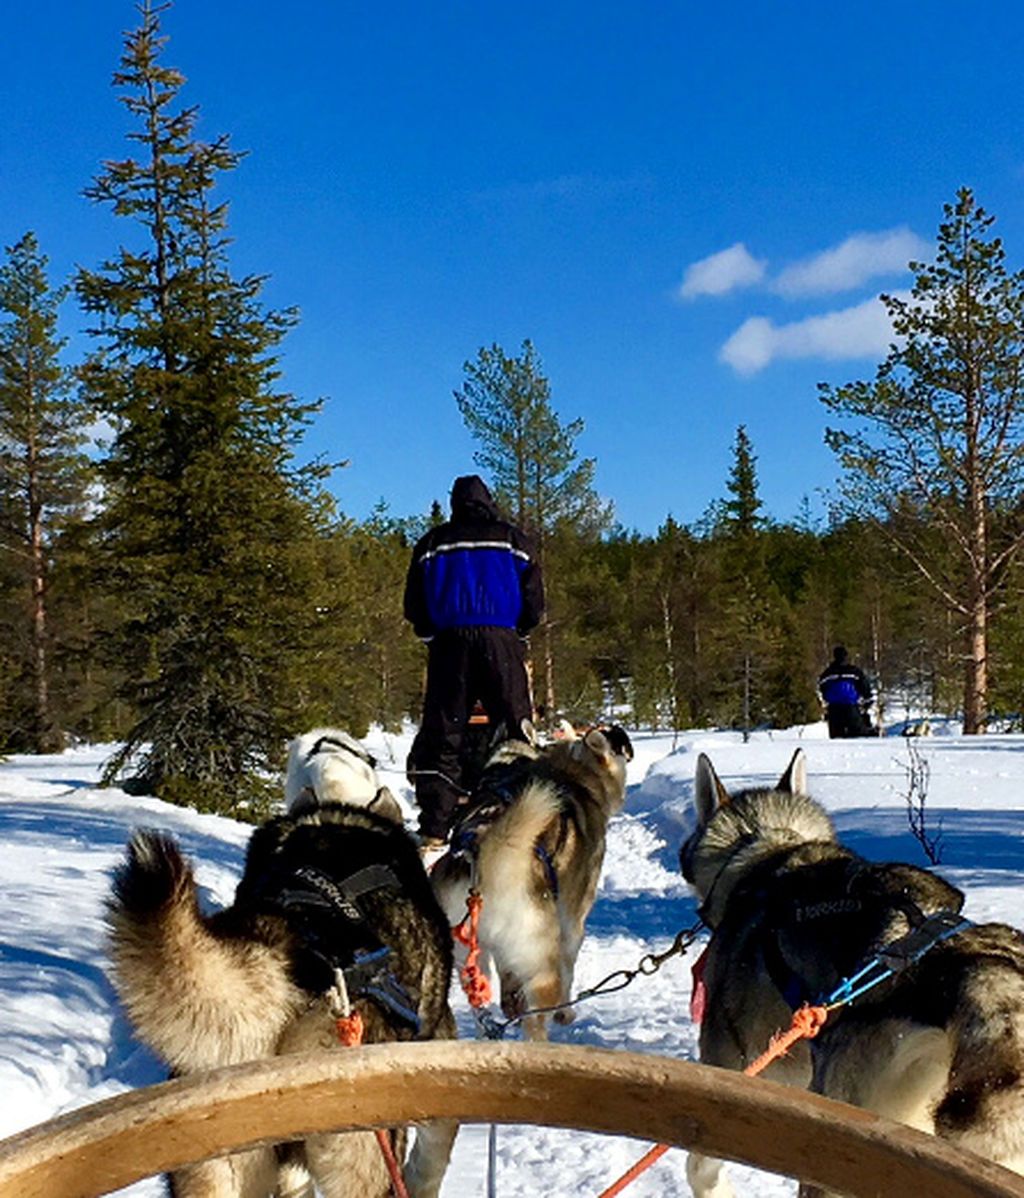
(853, 262)
(720, 273)
(863, 331)
(565, 187)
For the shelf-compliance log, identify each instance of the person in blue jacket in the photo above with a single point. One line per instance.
(473, 593)
(846, 693)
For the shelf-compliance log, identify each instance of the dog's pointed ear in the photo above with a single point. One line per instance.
(708, 792)
(384, 803)
(596, 742)
(619, 740)
(529, 731)
(794, 780)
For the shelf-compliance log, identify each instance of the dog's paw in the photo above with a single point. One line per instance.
(564, 1016)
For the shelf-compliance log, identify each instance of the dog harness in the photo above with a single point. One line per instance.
(335, 743)
(499, 789)
(311, 893)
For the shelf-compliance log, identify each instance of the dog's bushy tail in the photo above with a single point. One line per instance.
(199, 995)
(507, 864)
(983, 1107)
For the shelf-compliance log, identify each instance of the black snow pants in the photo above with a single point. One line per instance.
(846, 720)
(465, 665)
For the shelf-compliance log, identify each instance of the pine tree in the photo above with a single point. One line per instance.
(43, 474)
(209, 526)
(936, 453)
(532, 458)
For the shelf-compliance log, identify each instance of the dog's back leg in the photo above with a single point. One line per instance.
(250, 1174)
(894, 1067)
(350, 1164)
(706, 1178)
(432, 1147)
(983, 1107)
(429, 1158)
(293, 1179)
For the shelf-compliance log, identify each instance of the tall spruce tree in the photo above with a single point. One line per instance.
(747, 639)
(209, 526)
(741, 512)
(43, 474)
(936, 452)
(532, 458)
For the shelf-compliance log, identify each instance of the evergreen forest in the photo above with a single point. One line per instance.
(176, 578)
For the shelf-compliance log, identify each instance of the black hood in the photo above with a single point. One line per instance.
(471, 499)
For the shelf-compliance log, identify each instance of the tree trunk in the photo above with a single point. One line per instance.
(549, 667)
(976, 671)
(876, 660)
(670, 662)
(44, 735)
(746, 697)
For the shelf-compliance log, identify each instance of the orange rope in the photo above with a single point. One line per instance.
(350, 1034)
(350, 1029)
(474, 981)
(807, 1022)
(645, 1162)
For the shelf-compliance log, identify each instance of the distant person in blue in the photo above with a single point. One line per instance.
(473, 593)
(846, 693)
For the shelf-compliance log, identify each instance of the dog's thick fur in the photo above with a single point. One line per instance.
(940, 1046)
(537, 864)
(328, 765)
(251, 981)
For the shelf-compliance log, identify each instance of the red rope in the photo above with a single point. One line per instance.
(394, 1169)
(807, 1022)
(474, 980)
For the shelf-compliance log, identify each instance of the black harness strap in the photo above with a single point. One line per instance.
(334, 742)
(314, 892)
(319, 891)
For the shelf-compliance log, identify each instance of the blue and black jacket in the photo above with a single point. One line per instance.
(476, 570)
(843, 684)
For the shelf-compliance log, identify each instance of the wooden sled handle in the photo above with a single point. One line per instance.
(110, 1144)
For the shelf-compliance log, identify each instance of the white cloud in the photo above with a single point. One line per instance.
(863, 331)
(860, 257)
(722, 272)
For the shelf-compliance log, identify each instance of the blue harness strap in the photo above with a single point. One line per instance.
(897, 956)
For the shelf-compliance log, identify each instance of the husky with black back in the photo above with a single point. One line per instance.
(939, 1045)
(532, 842)
(336, 888)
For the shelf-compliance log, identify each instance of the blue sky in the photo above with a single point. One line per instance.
(687, 208)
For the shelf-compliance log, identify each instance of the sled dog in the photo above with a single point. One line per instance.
(532, 843)
(327, 765)
(333, 888)
(792, 913)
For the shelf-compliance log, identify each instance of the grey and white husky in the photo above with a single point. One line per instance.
(938, 1046)
(333, 888)
(532, 843)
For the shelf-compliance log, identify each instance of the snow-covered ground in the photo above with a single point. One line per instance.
(63, 1042)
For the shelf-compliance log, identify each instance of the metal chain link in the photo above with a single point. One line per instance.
(648, 965)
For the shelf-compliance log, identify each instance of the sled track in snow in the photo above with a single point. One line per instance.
(110, 1144)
